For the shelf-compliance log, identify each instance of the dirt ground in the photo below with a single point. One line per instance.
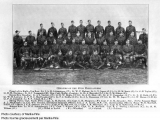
(89, 76)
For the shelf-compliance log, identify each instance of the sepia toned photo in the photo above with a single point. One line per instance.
(80, 44)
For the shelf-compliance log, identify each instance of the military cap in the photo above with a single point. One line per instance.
(119, 22)
(72, 21)
(109, 21)
(89, 20)
(130, 21)
(62, 23)
(41, 24)
(51, 22)
(17, 31)
(29, 31)
(98, 21)
(80, 20)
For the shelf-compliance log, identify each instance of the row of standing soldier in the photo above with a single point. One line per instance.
(97, 36)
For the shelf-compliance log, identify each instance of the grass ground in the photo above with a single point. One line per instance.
(89, 76)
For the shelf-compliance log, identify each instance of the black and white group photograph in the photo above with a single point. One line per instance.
(80, 44)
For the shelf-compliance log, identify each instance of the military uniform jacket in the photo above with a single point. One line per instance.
(60, 41)
(140, 49)
(18, 42)
(73, 30)
(89, 40)
(118, 48)
(40, 40)
(70, 58)
(75, 48)
(133, 40)
(54, 31)
(108, 29)
(50, 40)
(119, 30)
(84, 47)
(45, 50)
(98, 29)
(54, 49)
(62, 31)
(78, 39)
(35, 51)
(110, 40)
(128, 49)
(100, 40)
(42, 30)
(105, 49)
(121, 40)
(25, 51)
(95, 59)
(144, 38)
(64, 48)
(84, 58)
(82, 30)
(130, 29)
(93, 48)
(90, 28)
(30, 39)
(69, 40)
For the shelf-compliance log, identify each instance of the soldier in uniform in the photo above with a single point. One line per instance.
(54, 49)
(35, 54)
(121, 39)
(119, 30)
(62, 31)
(83, 47)
(89, 39)
(110, 39)
(53, 30)
(108, 29)
(75, 48)
(144, 37)
(78, 38)
(64, 48)
(17, 44)
(58, 60)
(25, 55)
(83, 59)
(70, 59)
(100, 39)
(128, 51)
(81, 29)
(140, 54)
(95, 60)
(50, 39)
(117, 49)
(69, 39)
(44, 33)
(72, 29)
(45, 53)
(90, 29)
(98, 29)
(94, 47)
(60, 39)
(30, 39)
(104, 52)
(41, 39)
(130, 29)
(133, 40)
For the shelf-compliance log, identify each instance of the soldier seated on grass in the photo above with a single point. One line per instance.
(58, 60)
(70, 60)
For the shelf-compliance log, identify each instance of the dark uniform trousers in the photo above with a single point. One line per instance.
(18, 43)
